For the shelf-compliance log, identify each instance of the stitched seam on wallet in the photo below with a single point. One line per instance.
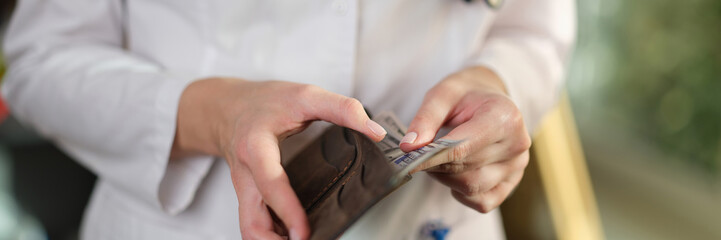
(350, 175)
(331, 183)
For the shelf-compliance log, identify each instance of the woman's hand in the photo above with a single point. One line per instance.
(243, 122)
(485, 168)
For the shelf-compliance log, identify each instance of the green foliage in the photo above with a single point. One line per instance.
(667, 75)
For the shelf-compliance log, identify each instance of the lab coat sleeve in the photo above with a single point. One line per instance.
(71, 79)
(527, 47)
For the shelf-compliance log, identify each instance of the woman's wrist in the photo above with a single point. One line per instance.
(200, 111)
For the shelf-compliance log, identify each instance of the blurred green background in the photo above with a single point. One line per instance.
(656, 71)
(645, 86)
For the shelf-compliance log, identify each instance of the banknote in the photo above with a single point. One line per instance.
(392, 154)
(414, 158)
(409, 161)
(386, 144)
(401, 161)
(391, 124)
(390, 145)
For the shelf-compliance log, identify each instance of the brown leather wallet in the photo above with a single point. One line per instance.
(338, 177)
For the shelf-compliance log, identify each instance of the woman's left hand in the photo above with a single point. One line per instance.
(483, 169)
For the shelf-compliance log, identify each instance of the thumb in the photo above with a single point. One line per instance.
(430, 118)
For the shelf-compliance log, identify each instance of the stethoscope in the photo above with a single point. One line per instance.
(495, 4)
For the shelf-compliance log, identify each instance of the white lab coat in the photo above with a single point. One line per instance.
(102, 80)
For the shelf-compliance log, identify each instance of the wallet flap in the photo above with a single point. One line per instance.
(338, 178)
(321, 165)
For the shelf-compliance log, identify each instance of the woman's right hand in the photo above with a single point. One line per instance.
(243, 121)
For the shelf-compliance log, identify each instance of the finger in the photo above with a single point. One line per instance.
(484, 138)
(343, 111)
(491, 199)
(254, 218)
(452, 159)
(273, 184)
(472, 139)
(260, 233)
(462, 159)
(435, 109)
(475, 181)
(458, 157)
(496, 120)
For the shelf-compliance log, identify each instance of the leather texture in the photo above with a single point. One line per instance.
(337, 178)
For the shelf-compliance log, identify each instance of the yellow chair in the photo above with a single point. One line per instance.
(555, 199)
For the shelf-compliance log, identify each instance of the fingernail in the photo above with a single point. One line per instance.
(294, 235)
(376, 128)
(409, 137)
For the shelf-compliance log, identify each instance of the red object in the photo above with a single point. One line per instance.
(4, 111)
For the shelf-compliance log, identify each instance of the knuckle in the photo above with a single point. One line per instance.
(241, 151)
(451, 168)
(350, 108)
(494, 104)
(506, 110)
(470, 189)
(487, 205)
(515, 118)
(480, 202)
(459, 153)
(306, 91)
(521, 145)
(434, 91)
(446, 89)
(423, 118)
(351, 105)
(519, 163)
